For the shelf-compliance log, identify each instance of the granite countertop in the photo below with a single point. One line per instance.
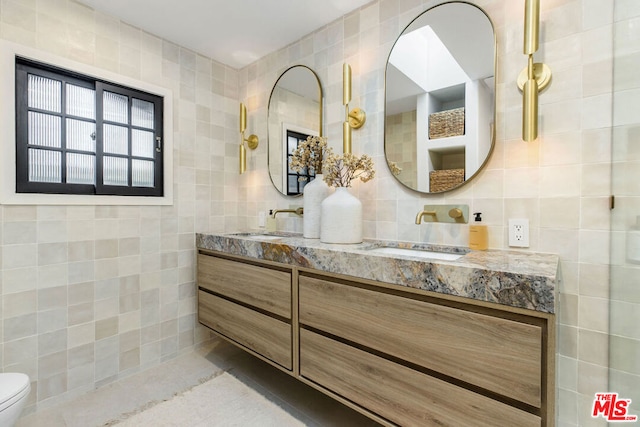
(518, 279)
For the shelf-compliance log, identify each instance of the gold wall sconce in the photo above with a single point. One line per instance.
(536, 76)
(252, 141)
(355, 118)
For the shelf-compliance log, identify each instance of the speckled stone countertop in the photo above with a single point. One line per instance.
(517, 279)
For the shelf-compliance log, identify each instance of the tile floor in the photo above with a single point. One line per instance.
(216, 385)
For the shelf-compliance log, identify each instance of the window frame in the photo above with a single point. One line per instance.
(23, 69)
(158, 164)
(305, 174)
(9, 52)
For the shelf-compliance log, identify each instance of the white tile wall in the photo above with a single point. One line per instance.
(625, 304)
(91, 294)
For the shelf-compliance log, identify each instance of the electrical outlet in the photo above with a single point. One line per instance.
(519, 233)
(262, 217)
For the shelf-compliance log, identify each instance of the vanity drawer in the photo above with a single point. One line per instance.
(398, 393)
(265, 288)
(265, 335)
(496, 354)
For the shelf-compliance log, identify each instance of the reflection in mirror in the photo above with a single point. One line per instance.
(440, 98)
(295, 112)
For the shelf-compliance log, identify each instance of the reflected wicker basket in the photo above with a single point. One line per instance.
(445, 179)
(446, 123)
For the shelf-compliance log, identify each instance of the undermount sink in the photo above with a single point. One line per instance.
(420, 253)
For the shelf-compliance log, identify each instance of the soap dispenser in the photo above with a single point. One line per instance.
(478, 235)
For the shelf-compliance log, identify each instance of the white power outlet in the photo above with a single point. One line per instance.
(262, 216)
(519, 233)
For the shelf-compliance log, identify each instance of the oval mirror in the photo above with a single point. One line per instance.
(294, 113)
(440, 98)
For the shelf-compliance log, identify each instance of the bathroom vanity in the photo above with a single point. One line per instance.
(397, 335)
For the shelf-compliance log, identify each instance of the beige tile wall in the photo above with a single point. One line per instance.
(401, 128)
(625, 272)
(94, 293)
(561, 182)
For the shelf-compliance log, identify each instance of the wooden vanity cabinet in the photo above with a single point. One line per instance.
(401, 356)
(419, 359)
(248, 304)
(397, 393)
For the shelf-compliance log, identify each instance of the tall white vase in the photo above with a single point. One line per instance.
(313, 195)
(341, 218)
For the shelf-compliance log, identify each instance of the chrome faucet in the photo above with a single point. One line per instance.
(297, 211)
(425, 213)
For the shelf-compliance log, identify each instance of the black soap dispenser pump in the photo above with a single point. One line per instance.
(478, 235)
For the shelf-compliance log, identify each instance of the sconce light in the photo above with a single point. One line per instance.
(536, 76)
(353, 119)
(252, 141)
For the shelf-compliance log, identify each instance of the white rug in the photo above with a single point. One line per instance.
(221, 401)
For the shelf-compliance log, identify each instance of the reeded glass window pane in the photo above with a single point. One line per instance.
(44, 93)
(81, 101)
(292, 144)
(115, 107)
(81, 168)
(81, 135)
(293, 184)
(142, 143)
(116, 139)
(45, 166)
(142, 173)
(44, 129)
(115, 171)
(142, 113)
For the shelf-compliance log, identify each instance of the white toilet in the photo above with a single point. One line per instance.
(14, 390)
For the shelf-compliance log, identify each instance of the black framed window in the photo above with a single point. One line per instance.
(294, 184)
(79, 135)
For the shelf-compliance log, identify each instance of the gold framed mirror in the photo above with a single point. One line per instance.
(294, 112)
(440, 98)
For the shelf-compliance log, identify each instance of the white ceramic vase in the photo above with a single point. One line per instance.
(313, 195)
(341, 218)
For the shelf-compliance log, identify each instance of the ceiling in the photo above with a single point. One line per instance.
(235, 33)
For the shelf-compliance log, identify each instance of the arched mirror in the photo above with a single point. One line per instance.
(295, 112)
(440, 98)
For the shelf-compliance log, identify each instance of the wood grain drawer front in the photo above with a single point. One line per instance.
(262, 287)
(263, 334)
(397, 393)
(497, 354)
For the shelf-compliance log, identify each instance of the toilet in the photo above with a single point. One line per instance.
(14, 390)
